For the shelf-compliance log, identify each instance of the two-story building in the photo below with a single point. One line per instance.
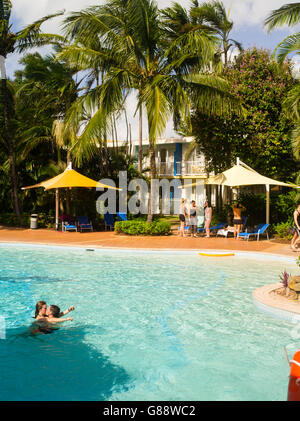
(176, 158)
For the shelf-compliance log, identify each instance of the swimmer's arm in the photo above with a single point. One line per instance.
(59, 320)
(67, 311)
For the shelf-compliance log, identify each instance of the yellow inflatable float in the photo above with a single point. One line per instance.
(216, 254)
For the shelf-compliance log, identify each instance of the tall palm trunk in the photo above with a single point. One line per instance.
(9, 140)
(152, 177)
(140, 156)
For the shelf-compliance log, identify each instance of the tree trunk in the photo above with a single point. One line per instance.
(9, 140)
(152, 177)
(68, 190)
(140, 157)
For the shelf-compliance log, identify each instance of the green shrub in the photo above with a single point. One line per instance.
(142, 228)
(282, 231)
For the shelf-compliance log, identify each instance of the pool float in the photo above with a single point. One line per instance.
(294, 383)
(216, 255)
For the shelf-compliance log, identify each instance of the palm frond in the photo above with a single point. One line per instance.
(296, 140)
(31, 35)
(289, 45)
(289, 14)
(211, 94)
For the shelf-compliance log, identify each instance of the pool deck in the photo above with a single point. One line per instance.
(108, 239)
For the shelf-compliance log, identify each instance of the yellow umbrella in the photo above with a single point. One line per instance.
(69, 178)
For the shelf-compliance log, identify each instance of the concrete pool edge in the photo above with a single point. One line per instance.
(249, 254)
(267, 301)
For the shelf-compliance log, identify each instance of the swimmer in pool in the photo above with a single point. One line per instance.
(41, 310)
(46, 318)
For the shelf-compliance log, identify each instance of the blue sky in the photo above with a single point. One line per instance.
(248, 17)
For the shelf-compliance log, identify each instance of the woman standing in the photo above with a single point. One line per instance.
(207, 217)
(193, 219)
(296, 235)
(182, 217)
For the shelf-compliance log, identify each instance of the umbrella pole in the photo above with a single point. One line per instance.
(268, 204)
(56, 208)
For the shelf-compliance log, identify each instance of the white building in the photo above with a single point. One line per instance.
(173, 162)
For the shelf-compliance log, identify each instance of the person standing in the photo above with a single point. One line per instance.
(237, 218)
(182, 218)
(207, 217)
(193, 218)
(296, 236)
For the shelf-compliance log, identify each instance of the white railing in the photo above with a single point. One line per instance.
(194, 168)
(184, 168)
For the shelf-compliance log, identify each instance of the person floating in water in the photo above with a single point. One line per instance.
(46, 318)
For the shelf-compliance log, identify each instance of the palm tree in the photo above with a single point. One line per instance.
(216, 17)
(289, 14)
(139, 55)
(10, 42)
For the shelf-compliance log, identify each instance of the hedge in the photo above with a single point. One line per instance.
(143, 228)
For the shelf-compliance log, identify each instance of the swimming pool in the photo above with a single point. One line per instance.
(147, 326)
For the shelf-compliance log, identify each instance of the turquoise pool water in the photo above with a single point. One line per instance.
(147, 326)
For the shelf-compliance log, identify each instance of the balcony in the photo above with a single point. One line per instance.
(187, 168)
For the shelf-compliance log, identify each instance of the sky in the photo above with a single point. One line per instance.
(248, 17)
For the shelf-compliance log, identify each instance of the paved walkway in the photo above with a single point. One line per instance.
(112, 240)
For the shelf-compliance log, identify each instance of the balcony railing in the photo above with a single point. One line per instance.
(187, 168)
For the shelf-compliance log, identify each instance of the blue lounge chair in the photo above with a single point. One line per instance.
(109, 221)
(260, 229)
(84, 224)
(67, 223)
(121, 216)
(215, 228)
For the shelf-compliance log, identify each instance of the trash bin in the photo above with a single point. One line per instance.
(34, 221)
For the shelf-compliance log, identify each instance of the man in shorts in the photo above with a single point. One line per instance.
(237, 218)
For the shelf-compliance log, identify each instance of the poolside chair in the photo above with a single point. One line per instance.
(260, 229)
(227, 232)
(215, 228)
(109, 221)
(67, 223)
(84, 224)
(121, 216)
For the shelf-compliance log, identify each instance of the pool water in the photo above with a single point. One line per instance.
(147, 326)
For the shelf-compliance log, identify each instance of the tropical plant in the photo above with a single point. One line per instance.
(289, 14)
(284, 276)
(139, 55)
(216, 17)
(9, 42)
(261, 136)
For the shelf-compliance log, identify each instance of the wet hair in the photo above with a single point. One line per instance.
(55, 310)
(39, 305)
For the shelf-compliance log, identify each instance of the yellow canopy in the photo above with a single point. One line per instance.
(238, 175)
(69, 178)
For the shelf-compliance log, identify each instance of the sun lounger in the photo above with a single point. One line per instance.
(109, 221)
(67, 223)
(121, 216)
(260, 229)
(67, 226)
(213, 229)
(84, 224)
